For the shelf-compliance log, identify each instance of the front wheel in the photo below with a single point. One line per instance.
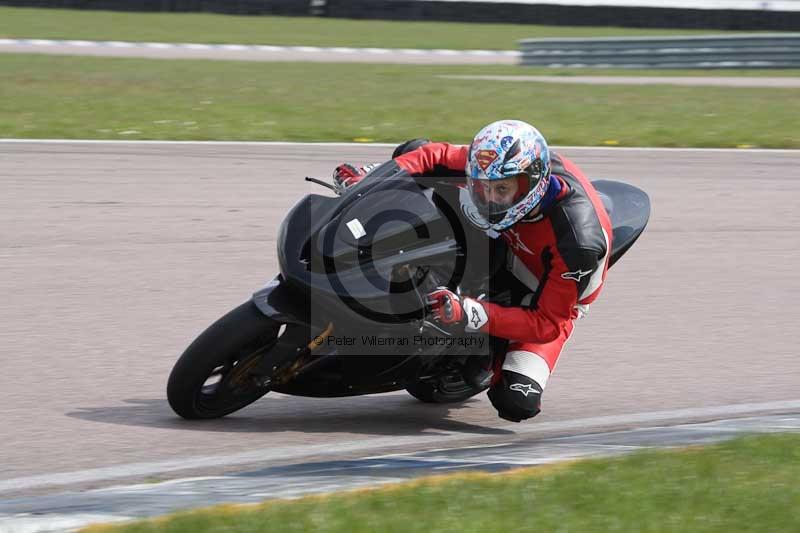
(211, 378)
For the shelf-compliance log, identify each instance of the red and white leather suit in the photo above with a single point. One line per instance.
(561, 255)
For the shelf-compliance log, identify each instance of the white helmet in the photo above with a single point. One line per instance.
(502, 150)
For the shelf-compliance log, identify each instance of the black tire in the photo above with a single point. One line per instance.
(233, 339)
(449, 388)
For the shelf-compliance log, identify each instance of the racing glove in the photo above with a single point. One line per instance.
(451, 310)
(347, 175)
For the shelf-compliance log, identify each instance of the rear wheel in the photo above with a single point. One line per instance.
(448, 388)
(212, 378)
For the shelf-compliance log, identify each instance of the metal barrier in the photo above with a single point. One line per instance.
(771, 15)
(739, 51)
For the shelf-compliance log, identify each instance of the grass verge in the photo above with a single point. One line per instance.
(749, 484)
(102, 98)
(210, 28)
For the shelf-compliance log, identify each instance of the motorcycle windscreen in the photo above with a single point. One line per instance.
(393, 216)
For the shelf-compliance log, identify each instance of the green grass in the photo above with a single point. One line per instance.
(209, 28)
(746, 485)
(102, 98)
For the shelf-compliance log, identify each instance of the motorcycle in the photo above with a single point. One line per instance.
(346, 315)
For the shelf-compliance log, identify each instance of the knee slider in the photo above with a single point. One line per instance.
(516, 397)
(409, 146)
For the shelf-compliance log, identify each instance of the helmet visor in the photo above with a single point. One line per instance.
(496, 197)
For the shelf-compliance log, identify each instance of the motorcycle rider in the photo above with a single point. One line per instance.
(559, 234)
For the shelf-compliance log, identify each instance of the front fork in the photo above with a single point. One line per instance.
(293, 352)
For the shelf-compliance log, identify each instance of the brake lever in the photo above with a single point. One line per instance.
(325, 184)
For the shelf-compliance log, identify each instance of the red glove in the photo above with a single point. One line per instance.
(445, 305)
(347, 175)
(450, 309)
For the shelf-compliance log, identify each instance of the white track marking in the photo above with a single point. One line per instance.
(55, 522)
(309, 49)
(370, 445)
(119, 44)
(343, 50)
(246, 47)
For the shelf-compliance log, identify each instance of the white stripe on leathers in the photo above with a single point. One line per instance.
(528, 364)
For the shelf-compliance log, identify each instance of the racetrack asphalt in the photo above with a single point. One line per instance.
(116, 255)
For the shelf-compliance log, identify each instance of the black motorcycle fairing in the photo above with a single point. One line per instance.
(391, 218)
(278, 301)
(398, 224)
(629, 210)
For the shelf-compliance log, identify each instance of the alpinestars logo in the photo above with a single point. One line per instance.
(577, 275)
(476, 318)
(525, 388)
(476, 315)
(515, 241)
